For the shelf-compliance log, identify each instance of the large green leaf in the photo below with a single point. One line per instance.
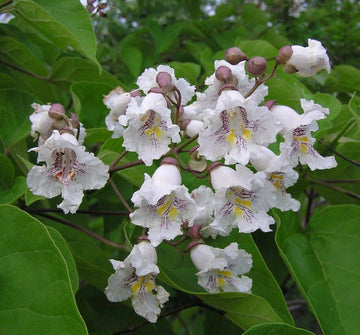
(36, 290)
(324, 259)
(65, 23)
(276, 329)
(14, 113)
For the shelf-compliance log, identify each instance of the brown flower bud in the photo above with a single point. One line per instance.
(156, 90)
(135, 93)
(169, 160)
(234, 55)
(223, 73)
(256, 66)
(65, 130)
(164, 81)
(57, 111)
(284, 54)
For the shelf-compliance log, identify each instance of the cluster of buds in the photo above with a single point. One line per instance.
(68, 168)
(223, 134)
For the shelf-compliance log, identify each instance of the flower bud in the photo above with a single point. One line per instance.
(75, 121)
(256, 66)
(164, 81)
(194, 232)
(192, 127)
(57, 111)
(234, 55)
(156, 90)
(167, 173)
(284, 54)
(223, 73)
(135, 93)
(222, 176)
(66, 130)
(201, 256)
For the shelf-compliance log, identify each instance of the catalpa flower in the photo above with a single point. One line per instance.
(164, 205)
(117, 101)
(235, 129)
(297, 128)
(68, 170)
(147, 80)
(307, 61)
(149, 127)
(280, 173)
(242, 200)
(219, 269)
(135, 278)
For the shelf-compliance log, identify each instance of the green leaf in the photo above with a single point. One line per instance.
(14, 113)
(63, 22)
(189, 71)
(277, 329)
(132, 57)
(7, 171)
(19, 55)
(88, 101)
(344, 78)
(73, 70)
(225, 10)
(16, 191)
(36, 292)
(66, 253)
(257, 47)
(324, 260)
(354, 106)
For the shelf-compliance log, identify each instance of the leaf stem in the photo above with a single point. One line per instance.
(125, 166)
(335, 188)
(117, 160)
(80, 211)
(118, 193)
(345, 158)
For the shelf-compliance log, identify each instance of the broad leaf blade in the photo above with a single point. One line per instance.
(325, 262)
(63, 22)
(36, 292)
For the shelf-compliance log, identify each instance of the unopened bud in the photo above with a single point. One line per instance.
(256, 66)
(164, 81)
(135, 93)
(56, 111)
(75, 121)
(102, 14)
(169, 160)
(223, 73)
(234, 55)
(284, 54)
(102, 5)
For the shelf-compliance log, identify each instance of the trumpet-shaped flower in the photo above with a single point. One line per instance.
(135, 278)
(219, 269)
(297, 128)
(164, 205)
(280, 173)
(147, 80)
(68, 170)
(242, 200)
(236, 129)
(117, 101)
(149, 127)
(309, 60)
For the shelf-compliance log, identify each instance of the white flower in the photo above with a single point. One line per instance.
(150, 129)
(309, 60)
(219, 269)
(236, 128)
(117, 101)
(147, 80)
(68, 171)
(280, 173)
(135, 278)
(164, 205)
(242, 200)
(41, 122)
(241, 82)
(297, 128)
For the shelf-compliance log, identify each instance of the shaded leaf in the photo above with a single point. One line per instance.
(36, 293)
(277, 329)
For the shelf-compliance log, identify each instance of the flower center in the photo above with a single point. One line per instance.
(63, 166)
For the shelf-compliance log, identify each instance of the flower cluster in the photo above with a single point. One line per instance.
(68, 169)
(222, 135)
